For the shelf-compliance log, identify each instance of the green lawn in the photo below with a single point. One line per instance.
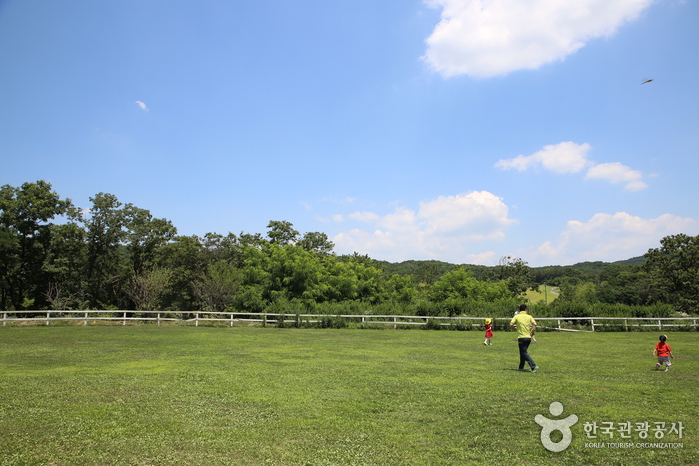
(250, 396)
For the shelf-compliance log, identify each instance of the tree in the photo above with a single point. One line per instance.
(147, 288)
(9, 265)
(674, 269)
(146, 235)
(317, 242)
(65, 266)
(428, 272)
(105, 226)
(25, 240)
(572, 290)
(625, 284)
(184, 256)
(401, 288)
(122, 240)
(461, 284)
(515, 273)
(218, 287)
(282, 232)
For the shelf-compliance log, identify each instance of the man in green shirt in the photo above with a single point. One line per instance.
(523, 322)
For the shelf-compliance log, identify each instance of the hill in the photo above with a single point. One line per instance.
(428, 271)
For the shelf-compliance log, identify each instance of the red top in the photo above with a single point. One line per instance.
(663, 349)
(488, 330)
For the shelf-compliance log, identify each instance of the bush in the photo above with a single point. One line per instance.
(332, 322)
(433, 324)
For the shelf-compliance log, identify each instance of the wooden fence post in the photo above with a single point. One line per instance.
(48, 317)
(85, 323)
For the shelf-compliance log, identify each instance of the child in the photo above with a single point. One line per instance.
(488, 331)
(532, 332)
(662, 351)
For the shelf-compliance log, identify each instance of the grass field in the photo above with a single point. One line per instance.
(250, 396)
(544, 293)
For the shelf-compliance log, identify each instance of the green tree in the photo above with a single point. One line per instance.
(515, 273)
(625, 284)
(282, 232)
(572, 290)
(185, 257)
(401, 289)
(122, 239)
(296, 274)
(9, 267)
(461, 284)
(65, 265)
(428, 272)
(674, 269)
(147, 288)
(106, 234)
(218, 287)
(145, 235)
(316, 242)
(25, 240)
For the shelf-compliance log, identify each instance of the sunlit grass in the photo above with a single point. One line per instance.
(543, 294)
(207, 395)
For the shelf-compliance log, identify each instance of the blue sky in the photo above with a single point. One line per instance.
(455, 130)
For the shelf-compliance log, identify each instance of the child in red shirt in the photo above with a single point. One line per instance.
(662, 351)
(488, 331)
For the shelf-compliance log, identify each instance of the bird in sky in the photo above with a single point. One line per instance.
(646, 81)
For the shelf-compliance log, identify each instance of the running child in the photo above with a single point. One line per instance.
(488, 331)
(664, 352)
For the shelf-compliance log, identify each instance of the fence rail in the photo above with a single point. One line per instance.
(570, 324)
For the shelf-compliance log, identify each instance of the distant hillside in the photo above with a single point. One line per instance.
(633, 261)
(428, 271)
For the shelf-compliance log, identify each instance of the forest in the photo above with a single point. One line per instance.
(115, 256)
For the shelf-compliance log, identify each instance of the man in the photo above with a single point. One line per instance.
(523, 322)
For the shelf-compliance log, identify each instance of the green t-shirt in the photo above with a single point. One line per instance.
(523, 321)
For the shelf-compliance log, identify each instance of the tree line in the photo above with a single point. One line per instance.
(54, 255)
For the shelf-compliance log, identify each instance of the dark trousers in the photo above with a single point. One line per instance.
(523, 354)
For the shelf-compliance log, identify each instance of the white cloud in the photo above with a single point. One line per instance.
(484, 38)
(564, 157)
(609, 237)
(615, 173)
(484, 258)
(141, 105)
(475, 216)
(569, 157)
(364, 216)
(442, 228)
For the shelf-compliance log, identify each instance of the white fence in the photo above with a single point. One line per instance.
(571, 324)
